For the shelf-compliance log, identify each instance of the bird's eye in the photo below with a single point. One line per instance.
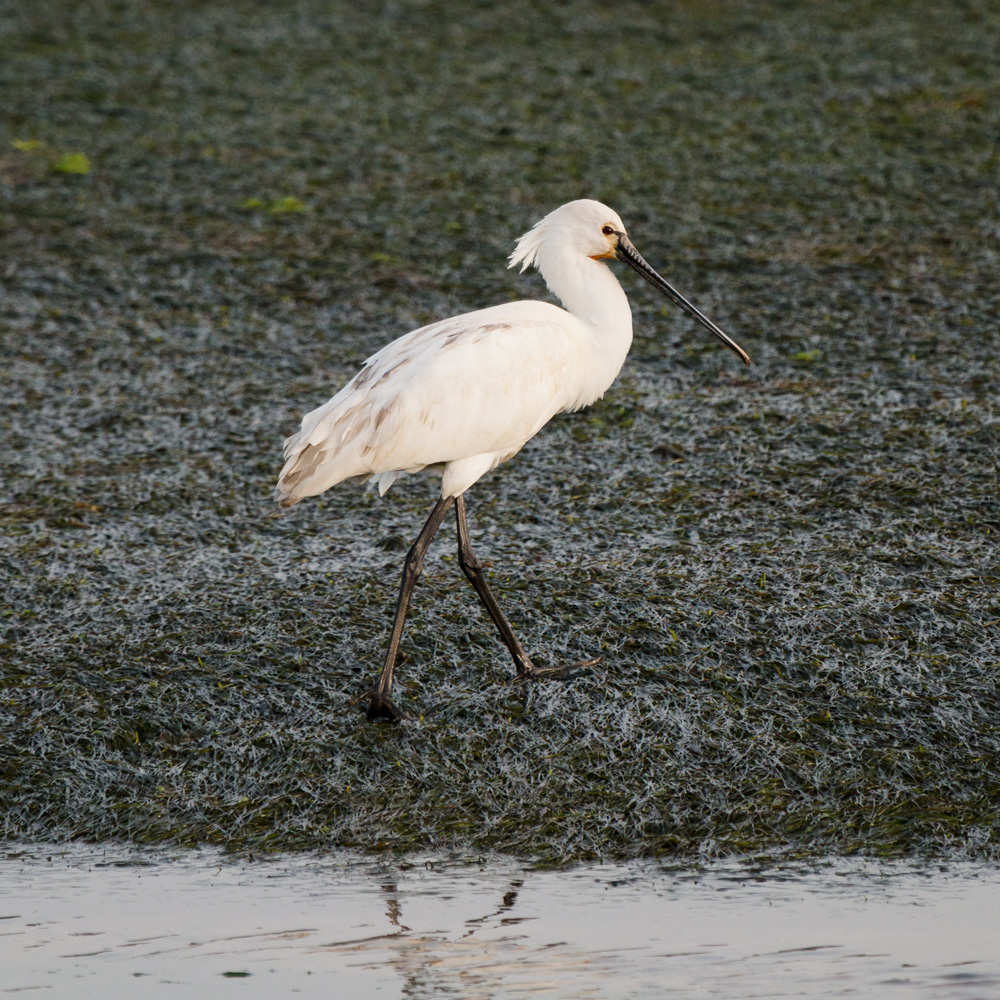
(608, 230)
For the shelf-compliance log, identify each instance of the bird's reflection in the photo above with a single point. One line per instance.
(509, 899)
(394, 909)
(480, 962)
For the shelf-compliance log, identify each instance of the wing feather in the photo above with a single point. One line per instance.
(481, 383)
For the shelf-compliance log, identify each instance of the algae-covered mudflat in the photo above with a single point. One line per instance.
(212, 212)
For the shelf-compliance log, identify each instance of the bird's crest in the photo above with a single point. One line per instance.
(527, 247)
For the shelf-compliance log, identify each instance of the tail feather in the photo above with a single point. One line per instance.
(314, 466)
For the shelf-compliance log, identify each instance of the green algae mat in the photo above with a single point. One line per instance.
(212, 212)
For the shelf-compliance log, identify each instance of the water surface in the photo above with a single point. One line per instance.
(87, 922)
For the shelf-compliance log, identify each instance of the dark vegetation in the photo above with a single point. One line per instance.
(211, 213)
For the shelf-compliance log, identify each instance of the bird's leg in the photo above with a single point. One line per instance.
(381, 705)
(473, 570)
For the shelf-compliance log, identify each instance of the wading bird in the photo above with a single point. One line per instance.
(465, 394)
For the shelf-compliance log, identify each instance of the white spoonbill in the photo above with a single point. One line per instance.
(464, 394)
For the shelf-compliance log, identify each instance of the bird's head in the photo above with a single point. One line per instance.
(584, 226)
(594, 230)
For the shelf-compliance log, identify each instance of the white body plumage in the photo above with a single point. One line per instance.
(466, 393)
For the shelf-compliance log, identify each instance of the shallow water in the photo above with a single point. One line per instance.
(84, 923)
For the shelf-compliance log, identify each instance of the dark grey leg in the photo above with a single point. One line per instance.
(381, 705)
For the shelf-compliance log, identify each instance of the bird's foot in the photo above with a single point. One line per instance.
(533, 673)
(381, 708)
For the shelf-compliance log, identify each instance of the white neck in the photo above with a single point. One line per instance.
(587, 289)
(591, 293)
